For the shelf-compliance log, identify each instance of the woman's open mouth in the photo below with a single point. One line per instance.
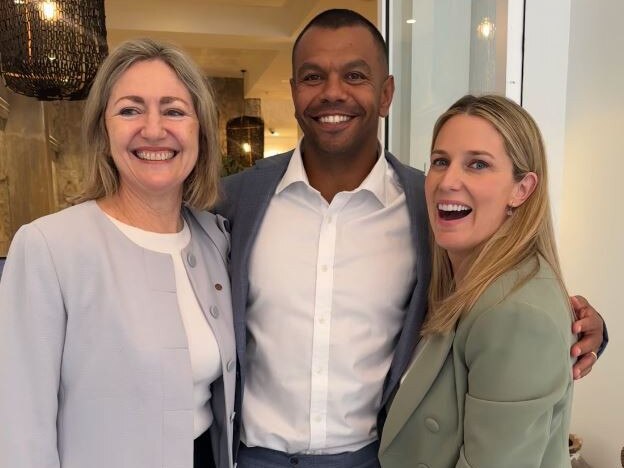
(452, 211)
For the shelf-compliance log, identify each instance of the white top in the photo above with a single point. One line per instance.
(203, 346)
(329, 286)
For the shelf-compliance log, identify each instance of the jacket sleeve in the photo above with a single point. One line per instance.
(519, 368)
(605, 338)
(32, 331)
(229, 193)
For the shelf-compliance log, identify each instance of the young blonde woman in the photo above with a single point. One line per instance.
(490, 384)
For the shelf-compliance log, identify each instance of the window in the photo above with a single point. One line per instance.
(441, 50)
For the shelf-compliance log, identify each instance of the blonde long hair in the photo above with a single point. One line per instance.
(523, 235)
(200, 188)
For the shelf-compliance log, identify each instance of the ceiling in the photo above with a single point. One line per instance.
(227, 36)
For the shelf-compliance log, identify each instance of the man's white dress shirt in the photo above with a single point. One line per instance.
(329, 286)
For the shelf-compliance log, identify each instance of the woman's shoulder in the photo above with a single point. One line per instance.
(76, 214)
(514, 299)
(73, 222)
(73, 232)
(540, 289)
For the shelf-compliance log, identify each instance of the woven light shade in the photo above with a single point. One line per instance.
(51, 50)
(245, 139)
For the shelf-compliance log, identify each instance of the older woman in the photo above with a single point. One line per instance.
(116, 339)
(490, 384)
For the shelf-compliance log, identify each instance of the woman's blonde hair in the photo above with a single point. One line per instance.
(200, 189)
(523, 235)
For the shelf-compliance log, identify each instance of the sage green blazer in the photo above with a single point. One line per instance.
(496, 392)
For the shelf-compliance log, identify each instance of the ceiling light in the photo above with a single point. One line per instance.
(51, 49)
(411, 21)
(486, 28)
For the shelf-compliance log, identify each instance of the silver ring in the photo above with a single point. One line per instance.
(594, 354)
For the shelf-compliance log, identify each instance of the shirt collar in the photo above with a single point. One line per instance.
(375, 182)
(295, 172)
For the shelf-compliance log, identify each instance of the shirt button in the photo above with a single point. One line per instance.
(214, 311)
(317, 418)
(192, 261)
(318, 370)
(322, 320)
(323, 268)
(432, 424)
(329, 220)
(230, 366)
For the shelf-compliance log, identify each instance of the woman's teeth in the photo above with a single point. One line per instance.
(155, 155)
(453, 211)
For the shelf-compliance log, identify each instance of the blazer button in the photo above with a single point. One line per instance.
(230, 366)
(192, 261)
(432, 425)
(214, 311)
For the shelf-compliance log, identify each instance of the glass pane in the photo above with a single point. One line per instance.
(441, 50)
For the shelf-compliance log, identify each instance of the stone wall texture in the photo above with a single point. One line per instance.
(40, 159)
(42, 163)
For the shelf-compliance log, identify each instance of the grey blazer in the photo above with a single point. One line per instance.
(94, 363)
(245, 201)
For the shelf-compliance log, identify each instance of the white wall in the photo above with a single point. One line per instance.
(574, 87)
(547, 28)
(592, 215)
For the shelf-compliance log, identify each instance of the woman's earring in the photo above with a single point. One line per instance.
(509, 210)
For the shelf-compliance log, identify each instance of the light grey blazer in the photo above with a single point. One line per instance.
(94, 363)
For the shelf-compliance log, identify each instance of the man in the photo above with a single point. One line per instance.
(330, 263)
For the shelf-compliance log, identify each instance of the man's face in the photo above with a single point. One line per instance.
(340, 88)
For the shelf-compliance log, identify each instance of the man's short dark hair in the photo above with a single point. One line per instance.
(342, 18)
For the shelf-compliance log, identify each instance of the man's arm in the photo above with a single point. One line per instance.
(593, 336)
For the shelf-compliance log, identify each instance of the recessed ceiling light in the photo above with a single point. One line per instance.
(410, 21)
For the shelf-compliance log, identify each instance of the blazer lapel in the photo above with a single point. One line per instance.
(412, 181)
(255, 194)
(212, 225)
(418, 379)
(255, 198)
